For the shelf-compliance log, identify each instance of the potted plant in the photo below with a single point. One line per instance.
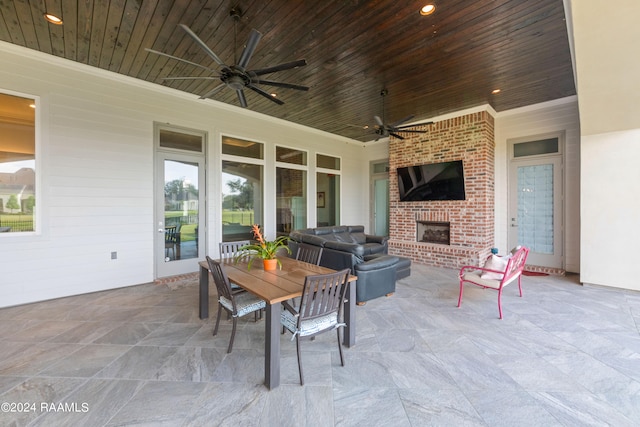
(266, 250)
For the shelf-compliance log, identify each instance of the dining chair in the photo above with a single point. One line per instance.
(309, 253)
(237, 304)
(319, 311)
(171, 240)
(228, 250)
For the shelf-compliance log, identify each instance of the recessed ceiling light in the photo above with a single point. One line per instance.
(275, 95)
(53, 19)
(32, 105)
(495, 91)
(427, 9)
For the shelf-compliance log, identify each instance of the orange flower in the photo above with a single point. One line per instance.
(255, 228)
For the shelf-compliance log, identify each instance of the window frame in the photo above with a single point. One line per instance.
(235, 158)
(38, 154)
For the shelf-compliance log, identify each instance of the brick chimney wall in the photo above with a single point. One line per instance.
(469, 138)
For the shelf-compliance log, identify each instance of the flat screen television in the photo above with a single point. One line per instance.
(434, 181)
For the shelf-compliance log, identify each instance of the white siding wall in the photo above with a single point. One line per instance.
(95, 172)
(556, 116)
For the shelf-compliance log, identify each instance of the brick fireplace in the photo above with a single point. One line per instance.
(469, 138)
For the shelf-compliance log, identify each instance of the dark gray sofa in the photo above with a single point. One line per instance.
(344, 246)
(364, 254)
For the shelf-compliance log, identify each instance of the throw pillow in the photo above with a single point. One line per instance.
(494, 262)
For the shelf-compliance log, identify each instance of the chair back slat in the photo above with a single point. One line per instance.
(222, 281)
(322, 294)
(309, 253)
(230, 249)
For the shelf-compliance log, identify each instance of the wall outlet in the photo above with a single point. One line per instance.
(114, 255)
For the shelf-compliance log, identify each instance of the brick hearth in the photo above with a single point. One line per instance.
(469, 138)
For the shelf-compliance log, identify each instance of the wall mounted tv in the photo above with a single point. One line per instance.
(435, 181)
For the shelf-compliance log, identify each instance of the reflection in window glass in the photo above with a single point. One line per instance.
(328, 201)
(181, 210)
(328, 162)
(241, 199)
(17, 164)
(381, 167)
(241, 147)
(291, 200)
(291, 155)
(180, 140)
(532, 148)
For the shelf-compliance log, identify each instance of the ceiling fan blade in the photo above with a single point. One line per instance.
(241, 98)
(379, 121)
(265, 94)
(410, 131)
(203, 45)
(180, 59)
(399, 122)
(284, 85)
(248, 50)
(213, 91)
(190, 78)
(281, 67)
(395, 135)
(414, 125)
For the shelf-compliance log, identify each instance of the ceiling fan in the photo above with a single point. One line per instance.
(394, 129)
(237, 77)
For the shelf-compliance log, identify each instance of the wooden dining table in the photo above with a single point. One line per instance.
(274, 287)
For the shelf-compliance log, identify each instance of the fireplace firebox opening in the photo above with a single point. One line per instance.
(433, 232)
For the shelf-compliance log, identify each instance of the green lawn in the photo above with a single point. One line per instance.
(17, 222)
(237, 217)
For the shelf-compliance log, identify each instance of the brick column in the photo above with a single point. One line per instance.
(469, 138)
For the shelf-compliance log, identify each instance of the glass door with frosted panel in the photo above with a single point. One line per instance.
(535, 215)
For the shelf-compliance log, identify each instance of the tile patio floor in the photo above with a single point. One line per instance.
(564, 355)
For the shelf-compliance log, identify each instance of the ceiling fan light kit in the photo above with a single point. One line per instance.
(237, 77)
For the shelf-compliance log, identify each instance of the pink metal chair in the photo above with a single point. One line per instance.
(513, 270)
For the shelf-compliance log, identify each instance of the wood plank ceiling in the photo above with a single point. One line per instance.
(430, 65)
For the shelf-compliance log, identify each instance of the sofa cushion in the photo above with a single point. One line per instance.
(376, 263)
(359, 238)
(373, 248)
(352, 248)
(311, 239)
(344, 237)
(319, 231)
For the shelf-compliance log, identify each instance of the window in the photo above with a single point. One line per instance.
(533, 148)
(291, 190)
(328, 188)
(242, 188)
(242, 148)
(327, 162)
(17, 163)
(291, 155)
(180, 141)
